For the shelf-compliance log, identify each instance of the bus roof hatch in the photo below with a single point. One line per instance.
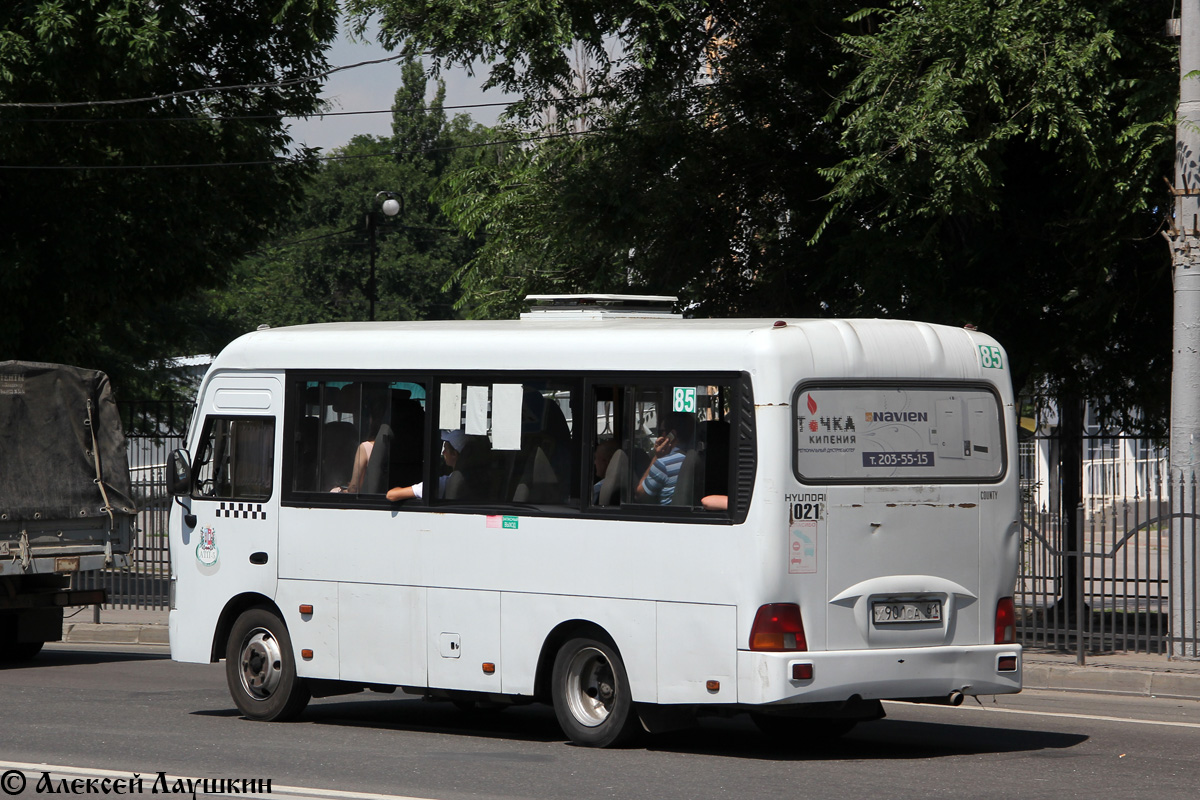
(600, 306)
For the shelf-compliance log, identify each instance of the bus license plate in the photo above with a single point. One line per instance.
(908, 611)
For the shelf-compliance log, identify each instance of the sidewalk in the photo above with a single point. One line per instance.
(1117, 673)
(116, 626)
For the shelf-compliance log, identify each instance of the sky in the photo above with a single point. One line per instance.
(371, 88)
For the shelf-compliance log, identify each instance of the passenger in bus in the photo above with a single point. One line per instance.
(602, 458)
(659, 482)
(362, 454)
(453, 443)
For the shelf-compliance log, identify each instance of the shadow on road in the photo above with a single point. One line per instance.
(879, 740)
(58, 656)
(734, 737)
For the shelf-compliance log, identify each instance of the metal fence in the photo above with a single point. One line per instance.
(152, 431)
(1120, 575)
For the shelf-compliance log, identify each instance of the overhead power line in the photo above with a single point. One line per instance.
(236, 117)
(204, 90)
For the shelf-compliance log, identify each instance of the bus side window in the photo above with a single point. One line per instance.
(674, 445)
(357, 438)
(520, 444)
(236, 458)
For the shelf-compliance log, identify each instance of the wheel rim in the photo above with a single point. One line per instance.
(591, 687)
(261, 664)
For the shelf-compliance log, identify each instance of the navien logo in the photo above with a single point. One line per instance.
(897, 416)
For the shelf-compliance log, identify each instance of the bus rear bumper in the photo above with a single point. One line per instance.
(885, 674)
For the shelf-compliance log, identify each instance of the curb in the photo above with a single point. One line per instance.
(114, 633)
(1112, 680)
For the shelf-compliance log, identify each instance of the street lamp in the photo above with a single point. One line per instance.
(392, 205)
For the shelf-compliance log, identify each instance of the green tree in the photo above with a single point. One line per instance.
(689, 141)
(105, 236)
(989, 163)
(1010, 155)
(315, 267)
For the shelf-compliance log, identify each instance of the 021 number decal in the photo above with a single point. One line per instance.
(802, 511)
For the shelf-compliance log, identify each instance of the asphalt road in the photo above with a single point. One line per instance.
(95, 712)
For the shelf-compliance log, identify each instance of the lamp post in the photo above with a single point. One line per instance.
(392, 205)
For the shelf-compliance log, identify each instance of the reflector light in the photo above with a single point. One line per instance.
(305, 609)
(489, 668)
(1007, 664)
(1006, 621)
(713, 686)
(778, 628)
(802, 672)
(306, 654)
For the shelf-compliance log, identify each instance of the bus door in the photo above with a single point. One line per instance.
(233, 544)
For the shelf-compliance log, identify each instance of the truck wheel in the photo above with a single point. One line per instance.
(591, 694)
(260, 668)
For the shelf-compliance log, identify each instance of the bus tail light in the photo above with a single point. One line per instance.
(1006, 621)
(778, 627)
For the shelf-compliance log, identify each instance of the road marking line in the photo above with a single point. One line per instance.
(1062, 714)
(60, 771)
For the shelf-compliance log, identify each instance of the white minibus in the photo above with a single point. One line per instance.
(635, 517)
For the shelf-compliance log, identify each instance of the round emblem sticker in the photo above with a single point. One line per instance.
(206, 551)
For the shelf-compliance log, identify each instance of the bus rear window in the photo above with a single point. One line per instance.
(897, 434)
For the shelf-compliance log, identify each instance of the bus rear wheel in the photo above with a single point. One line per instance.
(591, 695)
(260, 668)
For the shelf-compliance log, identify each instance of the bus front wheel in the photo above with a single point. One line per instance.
(260, 668)
(591, 694)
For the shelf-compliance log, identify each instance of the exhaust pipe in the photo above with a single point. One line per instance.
(955, 698)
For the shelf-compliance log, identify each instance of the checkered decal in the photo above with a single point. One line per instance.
(242, 511)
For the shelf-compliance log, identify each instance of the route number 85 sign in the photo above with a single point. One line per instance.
(684, 399)
(991, 357)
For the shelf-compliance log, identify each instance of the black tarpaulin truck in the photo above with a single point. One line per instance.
(66, 503)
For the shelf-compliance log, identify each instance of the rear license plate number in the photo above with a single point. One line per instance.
(900, 612)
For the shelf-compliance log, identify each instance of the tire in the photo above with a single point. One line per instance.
(591, 695)
(803, 730)
(260, 668)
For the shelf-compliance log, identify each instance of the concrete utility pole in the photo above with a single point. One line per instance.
(1184, 237)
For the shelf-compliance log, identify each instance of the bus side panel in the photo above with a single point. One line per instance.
(463, 635)
(527, 619)
(697, 644)
(316, 631)
(382, 633)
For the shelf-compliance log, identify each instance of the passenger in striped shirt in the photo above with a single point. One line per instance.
(670, 449)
